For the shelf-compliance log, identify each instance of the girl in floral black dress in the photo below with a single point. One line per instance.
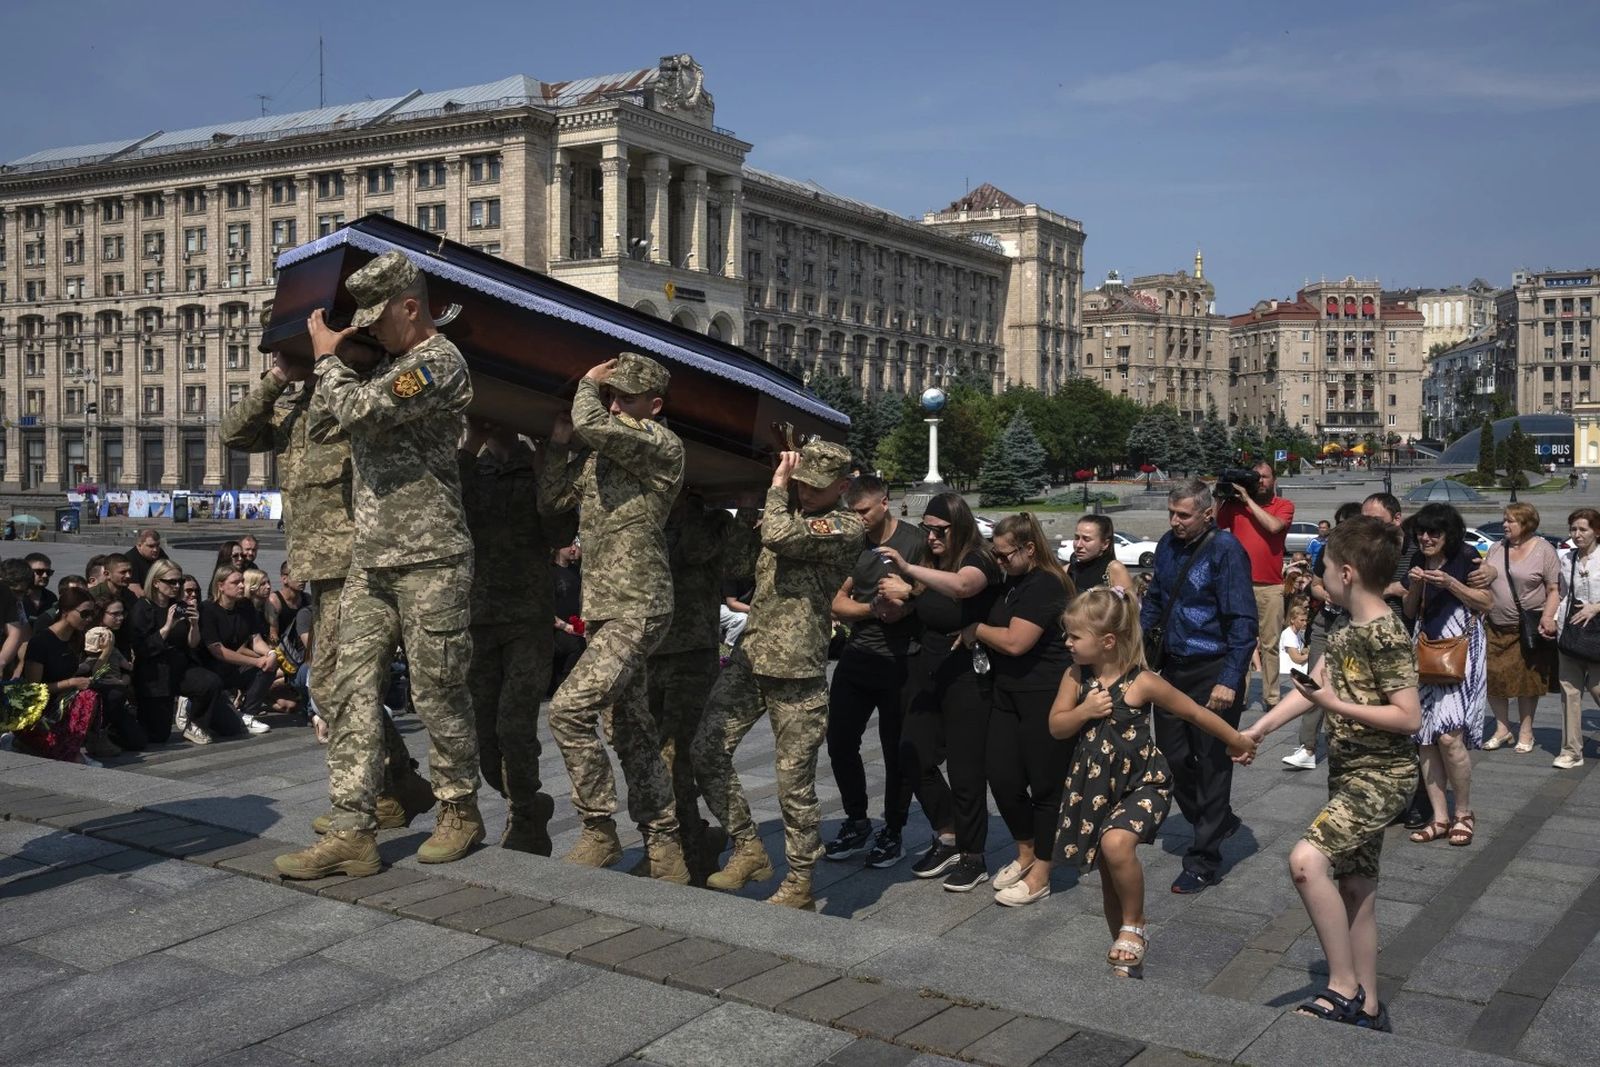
(1118, 790)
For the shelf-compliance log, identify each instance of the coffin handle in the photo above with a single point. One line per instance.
(450, 315)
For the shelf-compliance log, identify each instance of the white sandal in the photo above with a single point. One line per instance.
(1133, 968)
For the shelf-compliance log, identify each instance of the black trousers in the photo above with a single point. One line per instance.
(864, 683)
(946, 721)
(121, 721)
(253, 682)
(208, 706)
(1027, 766)
(1202, 772)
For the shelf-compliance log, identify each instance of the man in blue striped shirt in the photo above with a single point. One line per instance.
(1205, 646)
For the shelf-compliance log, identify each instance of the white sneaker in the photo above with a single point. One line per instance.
(180, 715)
(1017, 895)
(88, 760)
(1010, 875)
(254, 725)
(196, 734)
(1302, 759)
(1565, 762)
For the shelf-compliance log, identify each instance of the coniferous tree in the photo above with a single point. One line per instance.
(1486, 453)
(1013, 466)
(1215, 449)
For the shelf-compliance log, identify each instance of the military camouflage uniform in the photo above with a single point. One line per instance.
(1372, 773)
(513, 606)
(780, 667)
(278, 417)
(623, 481)
(701, 542)
(411, 573)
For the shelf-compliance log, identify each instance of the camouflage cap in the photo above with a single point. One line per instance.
(377, 283)
(635, 374)
(822, 463)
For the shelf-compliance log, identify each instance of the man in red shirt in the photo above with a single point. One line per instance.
(1260, 521)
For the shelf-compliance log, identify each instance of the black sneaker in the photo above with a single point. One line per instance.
(853, 837)
(885, 850)
(970, 872)
(939, 858)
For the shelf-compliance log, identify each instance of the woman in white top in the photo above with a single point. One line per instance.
(1580, 602)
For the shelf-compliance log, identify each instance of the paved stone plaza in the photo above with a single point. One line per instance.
(141, 922)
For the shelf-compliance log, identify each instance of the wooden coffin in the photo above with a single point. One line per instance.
(528, 339)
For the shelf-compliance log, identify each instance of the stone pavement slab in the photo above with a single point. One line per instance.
(39, 1018)
(737, 1034)
(561, 1031)
(1293, 1041)
(955, 1028)
(431, 1010)
(1018, 1042)
(268, 941)
(408, 948)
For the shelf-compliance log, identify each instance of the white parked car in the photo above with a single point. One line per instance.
(1299, 537)
(1130, 553)
(985, 526)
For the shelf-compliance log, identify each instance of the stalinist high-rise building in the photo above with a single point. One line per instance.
(133, 272)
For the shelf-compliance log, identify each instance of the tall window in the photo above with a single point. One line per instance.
(484, 168)
(380, 180)
(431, 217)
(484, 213)
(431, 173)
(330, 184)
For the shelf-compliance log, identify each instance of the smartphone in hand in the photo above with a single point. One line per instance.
(1303, 678)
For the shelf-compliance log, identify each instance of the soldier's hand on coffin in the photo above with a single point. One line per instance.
(561, 429)
(600, 372)
(285, 368)
(787, 462)
(325, 339)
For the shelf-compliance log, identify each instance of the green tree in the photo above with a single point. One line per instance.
(1163, 438)
(1216, 452)
(1247, 438)
(1013, 467)
(1487, 459)
(1519, 456)
(871, 420)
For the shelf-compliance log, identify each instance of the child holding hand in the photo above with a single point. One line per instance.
(1119, 788)
(1367, 685)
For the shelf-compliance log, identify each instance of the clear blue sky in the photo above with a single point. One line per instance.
(1423, 143)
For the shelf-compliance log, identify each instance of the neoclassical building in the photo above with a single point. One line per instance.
(1158, 339)
(133, 273)
(1337, 360)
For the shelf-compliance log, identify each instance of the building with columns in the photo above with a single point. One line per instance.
(134, 273)
(1336, 361)
(1450, 315)
(1158, 339)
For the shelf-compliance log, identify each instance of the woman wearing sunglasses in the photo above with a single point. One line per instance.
(947, 708)
(166, 643)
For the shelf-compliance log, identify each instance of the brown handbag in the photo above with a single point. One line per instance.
(1440, 660)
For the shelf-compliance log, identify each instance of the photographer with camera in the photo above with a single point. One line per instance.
(1251, 509)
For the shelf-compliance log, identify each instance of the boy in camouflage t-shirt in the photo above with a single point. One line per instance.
(1367, 685)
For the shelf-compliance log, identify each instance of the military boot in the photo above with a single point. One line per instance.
(392, 812)
(597, 846)
(460, 826)
(530, 831)
(748, 863)
(351, 852)
(666, 858)
(795, 892)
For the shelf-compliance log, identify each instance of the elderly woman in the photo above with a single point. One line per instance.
(230, 633)
(1445, 606)
(1529, 585)
(165, 627)
(1580, 604)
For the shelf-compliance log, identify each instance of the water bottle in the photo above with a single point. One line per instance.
(980, 660)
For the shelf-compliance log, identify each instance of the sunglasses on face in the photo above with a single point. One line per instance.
(41, 572)
(1005, 557)
(941, 532)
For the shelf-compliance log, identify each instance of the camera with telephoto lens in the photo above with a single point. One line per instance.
(1236, 480)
